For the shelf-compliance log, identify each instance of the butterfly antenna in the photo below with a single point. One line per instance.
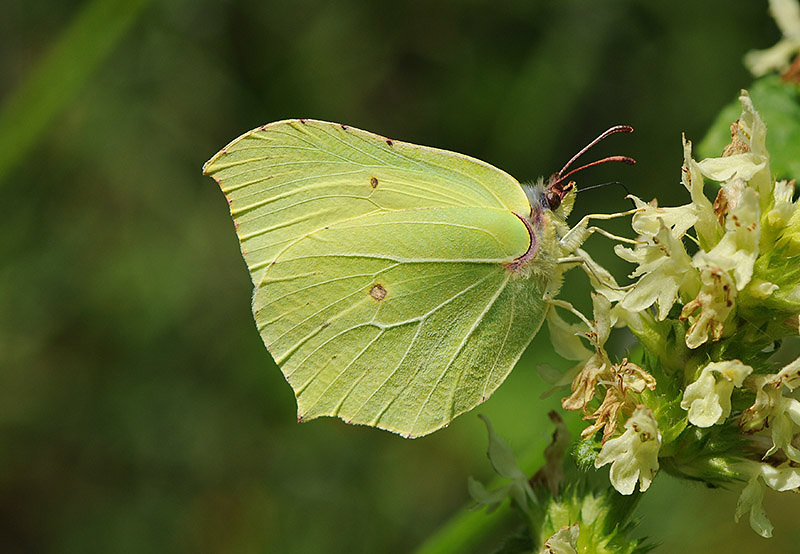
(624, 159)
(560, 177)
(603, 135)
(584, 189)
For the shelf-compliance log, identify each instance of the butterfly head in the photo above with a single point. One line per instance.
(545, 197)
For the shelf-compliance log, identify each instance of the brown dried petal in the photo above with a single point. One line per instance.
(583, 386)
(737, 145)
(632, 378)
(607, 415)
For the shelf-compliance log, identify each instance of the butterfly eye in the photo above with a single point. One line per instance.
(553, 199)
(555, 194)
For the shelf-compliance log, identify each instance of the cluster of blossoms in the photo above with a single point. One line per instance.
(715, 303)
(709, 393)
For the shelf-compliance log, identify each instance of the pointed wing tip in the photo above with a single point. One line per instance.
(208, 173)
(208, 168)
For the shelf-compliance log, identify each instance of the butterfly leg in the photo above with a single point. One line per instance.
(598, 275)
(563, 304)
(578, 234)
(612, 236)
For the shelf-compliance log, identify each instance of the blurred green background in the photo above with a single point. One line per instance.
(139, 411)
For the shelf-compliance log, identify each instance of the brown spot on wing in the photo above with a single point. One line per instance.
(373, 182)
(377, 292)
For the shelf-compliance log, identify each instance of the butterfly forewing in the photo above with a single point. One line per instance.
(289, 178)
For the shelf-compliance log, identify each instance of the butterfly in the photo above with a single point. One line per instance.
(395, 285)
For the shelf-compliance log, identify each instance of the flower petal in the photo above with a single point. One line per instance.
(633, 455)
(750, 501)
(708, 399)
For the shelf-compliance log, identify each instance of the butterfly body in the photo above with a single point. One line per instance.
(395, 285)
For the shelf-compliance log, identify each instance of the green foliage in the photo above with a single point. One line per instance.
(778, 103)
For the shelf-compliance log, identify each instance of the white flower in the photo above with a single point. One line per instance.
(738, 249)
(665, 269)
(633, 455)
(745, 159)
(781, 478)
(774, 411)
(647, 222)
(564, 541)
(715, 302)
(785, 421)
(753, 131)
(750, 501)
(707, 226)
(780, 213)
(778, 57)
(742, 166)
(708, 399)
(725, 269)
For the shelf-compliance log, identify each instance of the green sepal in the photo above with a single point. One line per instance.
(603, 517)
(708, 455)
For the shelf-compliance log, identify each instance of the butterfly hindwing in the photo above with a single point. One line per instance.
(401, 320)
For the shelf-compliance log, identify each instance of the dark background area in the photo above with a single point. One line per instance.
(139, 411)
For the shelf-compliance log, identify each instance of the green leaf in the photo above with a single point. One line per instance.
(382, 284)
(501, 455)
(484, 497)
